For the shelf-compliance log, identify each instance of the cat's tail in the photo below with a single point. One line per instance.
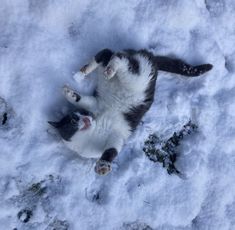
(179, 67)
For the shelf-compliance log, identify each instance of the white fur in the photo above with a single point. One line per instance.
(102, 134)
(90, 67)
(118, 91)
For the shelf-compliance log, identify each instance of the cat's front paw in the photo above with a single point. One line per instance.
(109, 72)
(84, 69)
(102, 167)
(70, 94)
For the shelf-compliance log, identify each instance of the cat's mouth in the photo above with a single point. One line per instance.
(85, 123)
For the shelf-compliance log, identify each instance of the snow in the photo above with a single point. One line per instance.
(43, 43)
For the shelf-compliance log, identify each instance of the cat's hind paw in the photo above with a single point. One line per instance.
(109, 72)
(102, 167)
(84, 69)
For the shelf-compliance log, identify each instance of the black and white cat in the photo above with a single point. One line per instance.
(124, 93)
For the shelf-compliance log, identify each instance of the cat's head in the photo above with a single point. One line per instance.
(72, 123)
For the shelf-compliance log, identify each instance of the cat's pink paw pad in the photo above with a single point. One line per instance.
(109, 72)
(102, 167)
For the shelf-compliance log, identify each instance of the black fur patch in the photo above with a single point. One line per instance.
(142, 52)
(148, 55)
(4, 119)
(77, 97)
(95, 93)
(104, 56)
(67, 126)
(136, 113)
(109, 154)
(133, 64)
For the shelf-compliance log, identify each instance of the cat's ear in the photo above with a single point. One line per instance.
(54, 124)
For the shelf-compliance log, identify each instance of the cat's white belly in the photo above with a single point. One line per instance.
(114, 96)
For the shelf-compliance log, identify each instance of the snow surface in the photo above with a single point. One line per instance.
(42, 44)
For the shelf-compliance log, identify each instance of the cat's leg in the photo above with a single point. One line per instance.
(103, 165)
(113, 147)
(126, 67)
(87, 102)
(115, 64)
(132, 74)
(101, 58)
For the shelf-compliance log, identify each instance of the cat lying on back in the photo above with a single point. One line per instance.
(124, 93)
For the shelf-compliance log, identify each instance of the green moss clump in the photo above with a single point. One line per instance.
(165, 152)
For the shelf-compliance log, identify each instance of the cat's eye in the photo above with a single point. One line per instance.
(73, 121)
(75, 117)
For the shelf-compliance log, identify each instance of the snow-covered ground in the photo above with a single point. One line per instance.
(42, 44)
